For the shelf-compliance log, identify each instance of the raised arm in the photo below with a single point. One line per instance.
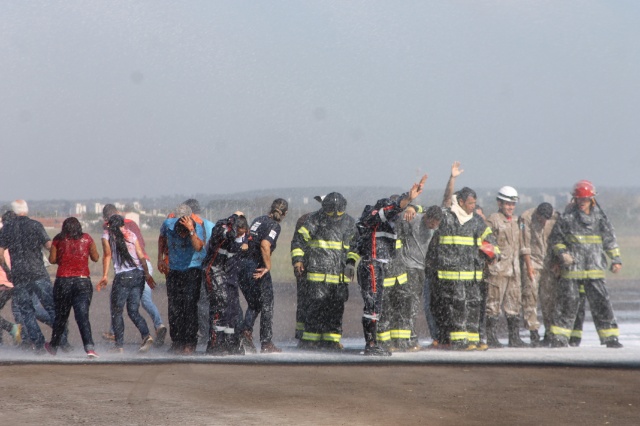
(448, 191)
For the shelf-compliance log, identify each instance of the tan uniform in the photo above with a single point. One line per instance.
(504, 275)
(534, 243)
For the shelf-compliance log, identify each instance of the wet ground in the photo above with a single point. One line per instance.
(589, 384)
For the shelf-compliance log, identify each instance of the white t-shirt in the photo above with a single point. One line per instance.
(130, 239)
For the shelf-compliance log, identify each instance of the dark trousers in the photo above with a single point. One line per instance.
(302, 304)
(183, 293)
(568, 305)
(5, 296)
(127, 289)
(76, 293)
(428, 310)
(22, 305)
(370, 279)
(325, 304)
(259, 296)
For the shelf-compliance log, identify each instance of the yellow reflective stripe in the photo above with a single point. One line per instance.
(385, 336)
(314, 337)
(398, 244)
(353, 256)
(328, 278)
(559, 247)
(584, 275)
(299, 326)
(400, 334)
(473, 337)
(485, 233)
(559, 331)
(581, 290)
(297, 253)
(614, 253)
(585, 239)
(457, 240)
(331, 337)
(305, 233)
(609, 332)
(346, 246)
(457, 335)
(576, 333)
(402, 279)
(460, 275)
(323, 244)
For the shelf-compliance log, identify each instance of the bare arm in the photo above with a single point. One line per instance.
(143, 262)
(93, 252)
(53, 255)
(196, 242)
(415, 190)
(162, 251)
(106, 261)
(265, 250)
(448, 192)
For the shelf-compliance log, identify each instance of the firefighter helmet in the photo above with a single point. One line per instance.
(508, 193)
(584, 189)
(334, 203)
(488, 250)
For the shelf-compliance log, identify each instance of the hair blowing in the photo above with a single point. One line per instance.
(278, 209)
(118, 243)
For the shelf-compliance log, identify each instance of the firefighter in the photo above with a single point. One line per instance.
(504, 289)
(374, 245)
(319, 250)
(301, 276)
(581, 239)
(537, 276)
(415, 233)
(457, 256)
(221, 268)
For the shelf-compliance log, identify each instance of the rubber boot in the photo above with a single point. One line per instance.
(492, 333)
(535, 339)
(216, 346)
(513, 323)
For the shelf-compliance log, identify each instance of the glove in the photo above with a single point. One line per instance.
(567, 259)
(350, 271)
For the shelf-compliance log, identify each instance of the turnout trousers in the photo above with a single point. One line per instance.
(302, 304)
(459, 308)
(259, 296)
(397, 312)
(568, 306)
(370, 279)
(323, 319)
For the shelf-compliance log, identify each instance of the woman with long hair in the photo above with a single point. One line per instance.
(131, 271)
(71, 250)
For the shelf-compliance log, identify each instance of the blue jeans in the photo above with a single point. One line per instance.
(147, 304)
(76, 293)
(23, 305)
(127, 289)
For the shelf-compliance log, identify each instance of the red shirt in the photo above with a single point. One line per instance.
(73, 256)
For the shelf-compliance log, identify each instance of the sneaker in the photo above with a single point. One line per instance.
(50, 348)
(109, 337)
(247, 342)
(269, 348)
(16, 333)
(116, 350)
(40, 351)
(146, 344)
(161, 333)
(91, 354)
(434, 345)
(614, 344)
(376, 351)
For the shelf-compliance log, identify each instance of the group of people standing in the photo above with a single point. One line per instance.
(465, 269)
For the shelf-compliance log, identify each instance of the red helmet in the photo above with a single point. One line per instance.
(488, 249)
(584, 189)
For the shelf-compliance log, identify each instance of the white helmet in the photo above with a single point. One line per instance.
(508, 193)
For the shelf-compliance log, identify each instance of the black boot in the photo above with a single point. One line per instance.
(613, 343)
(575, 341)
(535, 339)
(492, 333)
(513, 323)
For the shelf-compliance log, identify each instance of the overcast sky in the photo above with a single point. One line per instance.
(145, 98)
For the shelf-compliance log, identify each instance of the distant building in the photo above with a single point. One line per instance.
(80, 209)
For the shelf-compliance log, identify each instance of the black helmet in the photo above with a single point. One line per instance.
(334, 203)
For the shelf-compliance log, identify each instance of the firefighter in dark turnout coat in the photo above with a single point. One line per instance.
(581, 239)
(374, 245)
(319, 249)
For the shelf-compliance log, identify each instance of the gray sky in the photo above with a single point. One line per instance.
(145, 98)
